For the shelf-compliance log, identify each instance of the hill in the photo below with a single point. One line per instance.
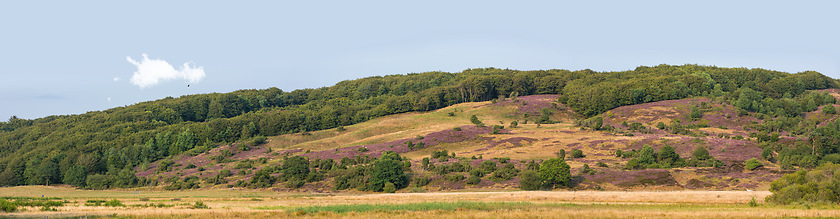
(172, 142)
(473, 146)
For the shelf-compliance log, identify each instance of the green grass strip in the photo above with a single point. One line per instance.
(423, 206)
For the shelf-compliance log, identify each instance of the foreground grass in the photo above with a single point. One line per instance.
(423, 206)
(515, 204)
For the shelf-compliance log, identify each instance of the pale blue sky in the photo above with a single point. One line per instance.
(61, 57)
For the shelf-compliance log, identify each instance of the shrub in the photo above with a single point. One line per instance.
(586, 170)
(259, 140)
(506, 173)
(829, 109)
(701, 153)
(389, 188)
(530, 180)
(473, 180)
(577, 153)
(421, 181)
(295, 183)
(561, 154)
(474, 120)
(602, 164)
(487, 166)
(497, 129)
(477, 172)
(296, 167)
(199, 205)
(752, 164)
(813, 186)
(455, 177)
(7, 206)
(114, 203)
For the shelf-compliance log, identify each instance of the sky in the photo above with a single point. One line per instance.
(71, 57)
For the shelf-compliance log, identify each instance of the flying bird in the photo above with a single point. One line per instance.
(188, 85)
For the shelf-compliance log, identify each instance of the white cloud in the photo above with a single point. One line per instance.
(152, 71)
(109, 99)
(116, 79)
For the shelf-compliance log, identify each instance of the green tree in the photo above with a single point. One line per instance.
(263, 179)
(48, 171)
(701, 153)
(248, 130)
(829, 109)
(668, 155)
(296, 167)
(387, 170)
(695, 113)
(75, 176)
(555, 172)
(530, 180)
(98, 181)
(125, 179)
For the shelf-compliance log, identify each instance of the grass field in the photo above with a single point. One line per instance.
(514, 204)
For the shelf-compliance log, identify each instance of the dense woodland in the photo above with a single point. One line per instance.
(106, 146)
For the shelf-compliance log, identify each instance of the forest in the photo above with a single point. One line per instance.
(106, 147)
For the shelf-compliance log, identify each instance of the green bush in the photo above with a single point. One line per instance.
(389, 188)
(455, 177)
(577, 153)
(7, 206)
(113, 203)
(473, 180)
(530, 180)
(752, 164)
(199, 205)
(821, 185)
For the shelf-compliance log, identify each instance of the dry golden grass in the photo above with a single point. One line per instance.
(553, 204)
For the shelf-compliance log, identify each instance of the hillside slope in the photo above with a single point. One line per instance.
(719, 129)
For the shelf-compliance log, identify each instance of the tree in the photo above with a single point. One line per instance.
(125, 179)
(249, 130)
(647, 155)
(829, 109)
(555, 172)
(98, 181)
(695, 113)
(75, 176)
(296, 167)
(387, 170)
(48, 171)
(668, 155)
(263, 179)
(701, 153)
(530, 180)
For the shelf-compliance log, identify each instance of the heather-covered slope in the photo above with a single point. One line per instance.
(728, 136)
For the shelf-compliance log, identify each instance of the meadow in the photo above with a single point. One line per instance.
(468, 204)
